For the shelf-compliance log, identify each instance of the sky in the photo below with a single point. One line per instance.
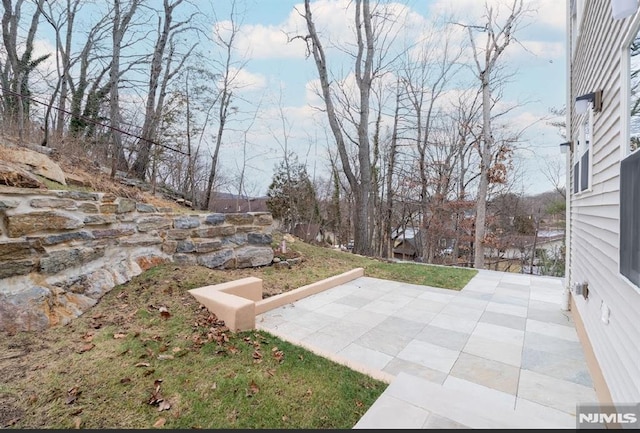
(278, 74)
(278, 106)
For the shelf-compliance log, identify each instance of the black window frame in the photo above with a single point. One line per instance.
(629, 218)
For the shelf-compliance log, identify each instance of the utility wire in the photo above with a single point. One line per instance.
(95, 122)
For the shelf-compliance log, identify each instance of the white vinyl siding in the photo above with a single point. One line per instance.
(595, 214)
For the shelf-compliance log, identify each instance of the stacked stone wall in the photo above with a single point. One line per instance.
(60, 251)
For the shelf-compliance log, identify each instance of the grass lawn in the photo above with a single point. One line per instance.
(148, 355)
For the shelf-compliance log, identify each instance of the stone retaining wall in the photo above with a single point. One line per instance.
(60, 251)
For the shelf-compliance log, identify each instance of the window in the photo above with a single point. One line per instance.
(576, 10)
(582, 154)
(629, 215)
(630, 174)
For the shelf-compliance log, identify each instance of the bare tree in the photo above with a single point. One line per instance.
(364, 75)
(15, 72)
(159, 78)
(230, 68)
(121, 21)
(498, 38)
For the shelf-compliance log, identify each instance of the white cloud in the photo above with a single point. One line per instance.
(247, 81)
(472, 11)
(334, 21)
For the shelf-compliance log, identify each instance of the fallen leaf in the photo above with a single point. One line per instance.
(233, 349)
(122, 295)
(278, 355)
(142, 364)
(164, 405)
(88, 337)
(308, 393)
(214, 385)
(253, 389)
(164, 312)
(270, 372)
(232, 416)
(156, 397)
(162, 348)
(78, 411)
(72, 394)
(149, 372)
(301, 357)
(160, 422)
(176, 349)
(165, 357)
(86, 348)
(359, 403)
(257, 355)
(285, 418)
(125, 380)
(119, 336)
(77, 422)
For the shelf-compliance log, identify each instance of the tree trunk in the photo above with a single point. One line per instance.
(481, 203)
(360, 186)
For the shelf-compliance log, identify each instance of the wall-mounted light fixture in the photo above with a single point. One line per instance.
(621, 9)
(564, 146)
(594, 99)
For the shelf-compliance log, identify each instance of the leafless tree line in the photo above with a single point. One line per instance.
(420, 152)
(417, 141)
(134, 85)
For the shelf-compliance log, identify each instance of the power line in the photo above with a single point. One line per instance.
(95, 122)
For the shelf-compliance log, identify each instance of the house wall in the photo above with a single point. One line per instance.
(597, 63)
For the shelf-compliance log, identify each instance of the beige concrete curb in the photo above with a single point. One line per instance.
(308, 290)
(239, 302)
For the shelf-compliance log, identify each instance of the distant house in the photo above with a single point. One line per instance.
(309, 232)
(405, 247)
(517, 246)
(603, 192)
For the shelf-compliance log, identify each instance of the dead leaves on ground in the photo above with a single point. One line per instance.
(86, 348)
(72, 394)
(157, 399)
(88, 345)
(160, 422)
(164, 312)
(277, 354)
(253, 389)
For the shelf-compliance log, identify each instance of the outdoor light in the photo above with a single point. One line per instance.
(621, 9)
(583, 102)
(564, 146)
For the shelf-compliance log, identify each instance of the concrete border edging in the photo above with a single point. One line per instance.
(238, 302)
(308, 290)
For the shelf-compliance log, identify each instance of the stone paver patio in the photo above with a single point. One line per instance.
(499, 353)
